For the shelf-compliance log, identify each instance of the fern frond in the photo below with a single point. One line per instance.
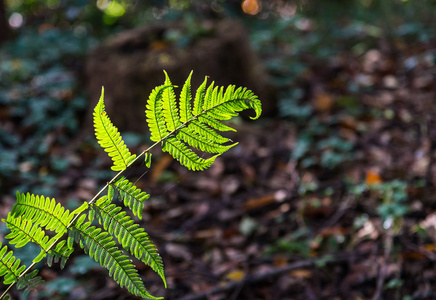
(182, 128)
(186, 156)
(24, 231)
(129, 235)
(199, 98)
(98, 244)
(61, 252)
(29, 281)
(185, 106)
(169, 106)
(110, 139)
(132, 196)
(155, 116)
(201, 142)
(10, 268)
(43, 212)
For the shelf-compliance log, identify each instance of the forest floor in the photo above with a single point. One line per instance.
(333, 200)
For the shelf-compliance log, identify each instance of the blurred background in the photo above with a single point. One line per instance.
(330, 195)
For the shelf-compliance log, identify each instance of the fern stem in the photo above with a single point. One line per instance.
(8, 288)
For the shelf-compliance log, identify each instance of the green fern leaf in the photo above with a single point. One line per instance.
(61, 252)
(182, 129)
(110, 139)
(147, 159)
(10, 268)
(185, 156)
(201, 142)
(129, 235)
(24, 231)
(43, 212)
(132, 196)
(199, 98)
(170, 111)
(185, 106)
(154, 114)
(98, 244)
(29, 281)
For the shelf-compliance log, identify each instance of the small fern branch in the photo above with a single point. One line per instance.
(110, 139)
(179, 128)
(98, 244)
(132, 196)
(24, 231)
(61, 252)
(10, 267)
(29, 281)
(186, 156)
(43, 212)
(129, 235)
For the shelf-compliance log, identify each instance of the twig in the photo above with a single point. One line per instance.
(383, 267)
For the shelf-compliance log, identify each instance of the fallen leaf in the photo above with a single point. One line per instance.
(235, 275)
(301, 273)
(323, 102)
(333, 231)
(280, 260)
(160, 166)
(372, 177)
(262, 201)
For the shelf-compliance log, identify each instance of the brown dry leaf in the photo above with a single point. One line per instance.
(348, 122)
(337, 230)
(160, 166)
(158, 45)
(280, 260)
(372, 177)
(262, 201)
(323, 102)
(301, 273)
(430, 247)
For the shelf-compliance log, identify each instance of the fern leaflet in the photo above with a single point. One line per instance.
(24, 231)
(132, 196)
(179, 128)
(129, 235)
(43, 212)
(10, 267)
(98, 244)
(110, 139)
(29, 281)
(61, 252)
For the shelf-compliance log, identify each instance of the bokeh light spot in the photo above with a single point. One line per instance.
(16, 20)
(250, 7)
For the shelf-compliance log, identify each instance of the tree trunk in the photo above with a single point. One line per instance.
(130, 65)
